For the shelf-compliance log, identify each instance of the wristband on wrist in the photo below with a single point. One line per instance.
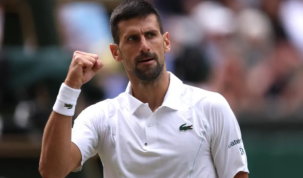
(66, 100)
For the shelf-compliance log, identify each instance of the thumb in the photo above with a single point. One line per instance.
(97, 66)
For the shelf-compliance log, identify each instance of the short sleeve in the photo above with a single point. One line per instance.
(227, 146)
(85, 133)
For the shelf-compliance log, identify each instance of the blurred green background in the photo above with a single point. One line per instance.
(250, 51)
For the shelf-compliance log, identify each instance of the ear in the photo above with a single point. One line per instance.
(115, 52)
(166, 42)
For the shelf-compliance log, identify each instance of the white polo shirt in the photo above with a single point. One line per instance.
(193, 134)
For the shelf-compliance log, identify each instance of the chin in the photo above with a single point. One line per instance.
(149, 76)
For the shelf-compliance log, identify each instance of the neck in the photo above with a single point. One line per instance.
(153, 92)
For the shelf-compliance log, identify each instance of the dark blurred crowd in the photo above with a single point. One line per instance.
(250, 51)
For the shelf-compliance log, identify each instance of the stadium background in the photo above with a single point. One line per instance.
(250, 51)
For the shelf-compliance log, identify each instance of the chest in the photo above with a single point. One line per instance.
(143, 144)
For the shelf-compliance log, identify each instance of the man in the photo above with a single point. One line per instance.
(157, 128)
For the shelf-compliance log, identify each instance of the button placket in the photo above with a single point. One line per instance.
(151, 132)
(145, 114)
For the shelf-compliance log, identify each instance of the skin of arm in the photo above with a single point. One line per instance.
(241, 175)
(59, 156)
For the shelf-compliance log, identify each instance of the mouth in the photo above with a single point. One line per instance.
(146, 60)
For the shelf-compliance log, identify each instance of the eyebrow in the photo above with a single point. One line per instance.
(149, 31)
(131, 33)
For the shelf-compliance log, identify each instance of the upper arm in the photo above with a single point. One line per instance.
(227, 146)
(241, 175)
(85, 136)
(75, 158)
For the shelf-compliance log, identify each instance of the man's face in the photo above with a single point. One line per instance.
(142, 47)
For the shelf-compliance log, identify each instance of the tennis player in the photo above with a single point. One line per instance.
(158, 128)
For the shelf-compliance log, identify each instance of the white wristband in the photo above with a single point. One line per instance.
(66, 100)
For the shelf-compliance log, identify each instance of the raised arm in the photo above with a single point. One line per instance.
(59, 156)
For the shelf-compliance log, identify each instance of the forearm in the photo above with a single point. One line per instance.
(56, 146)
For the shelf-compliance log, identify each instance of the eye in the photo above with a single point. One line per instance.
(150, 34)
(132, 38)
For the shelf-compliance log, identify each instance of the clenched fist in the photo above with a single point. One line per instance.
(82, 68)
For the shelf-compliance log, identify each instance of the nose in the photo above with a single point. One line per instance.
(144, 45)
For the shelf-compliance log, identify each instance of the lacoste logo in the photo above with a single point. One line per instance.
(183, 127)
(68, 106)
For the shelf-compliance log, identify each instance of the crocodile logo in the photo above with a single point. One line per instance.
(184, 127)
(68, 106)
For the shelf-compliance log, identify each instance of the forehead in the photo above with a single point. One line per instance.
(138, 24)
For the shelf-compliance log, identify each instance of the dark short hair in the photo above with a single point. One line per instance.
(129, 9)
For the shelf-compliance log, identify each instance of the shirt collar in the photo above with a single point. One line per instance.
(171, 99)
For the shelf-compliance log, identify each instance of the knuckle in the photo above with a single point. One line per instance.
(78, 58)
(76, 54)
(90, 64)
(86, 63)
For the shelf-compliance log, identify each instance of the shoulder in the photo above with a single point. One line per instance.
(96, 109)
(214, 102)
(203, 98)
(206, 102)
(99, 112)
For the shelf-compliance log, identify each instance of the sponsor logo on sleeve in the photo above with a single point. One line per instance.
(235, 142)
(242, 151)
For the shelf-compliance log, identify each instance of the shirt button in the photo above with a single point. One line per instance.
(149, 124)
(145, 144)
